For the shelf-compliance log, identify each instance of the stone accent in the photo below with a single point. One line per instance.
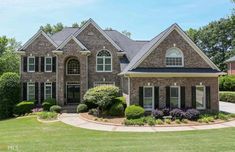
(135, 83)
(191, 58)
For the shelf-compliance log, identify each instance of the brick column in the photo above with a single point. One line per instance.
(60, 79)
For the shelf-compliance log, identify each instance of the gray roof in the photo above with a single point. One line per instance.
(59, 37)
(176, 69)
(230, 59)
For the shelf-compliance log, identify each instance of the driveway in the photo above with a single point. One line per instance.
(227, 107)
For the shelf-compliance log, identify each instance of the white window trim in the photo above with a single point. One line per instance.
(181, 54)
(30, 57)
(204, 101)
(148, 109)
(104, 82)
(67, 66)
(45, 85)
(30, 84)
(45, 63)
(103, 58)
(179, 97)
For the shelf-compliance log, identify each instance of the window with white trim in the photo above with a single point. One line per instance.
(104, 84)
(30, 91)
(174, 58)
(31, 64)
(48, 90)
(73, 67)
(175, 97)
(200, 97)
(104, 61)
(148, 97)
(48, 64)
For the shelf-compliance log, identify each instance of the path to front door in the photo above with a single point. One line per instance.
(73, 93)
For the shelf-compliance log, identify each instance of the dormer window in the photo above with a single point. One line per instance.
(174, 58)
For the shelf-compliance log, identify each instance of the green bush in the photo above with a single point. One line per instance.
(82, 108)
(177, 121)
(151, 121)
(47, 115)
(55, 108)
(121, 100)
(23, 107)
(94, 112)
(223, 116)
(47, 103)
(103, 96)
(159, 122)
(134, 122)
(227, 96)
(9, 93)
(168, 121)
(134, 112)
(117, 109)
(227, 83)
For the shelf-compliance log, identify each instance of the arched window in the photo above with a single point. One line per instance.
(73, 66)
(174, 58)
(104, 61)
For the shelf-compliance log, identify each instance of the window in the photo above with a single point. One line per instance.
(148, 98)
(104, 83)
(31, 64)
(48, 90)
(104, 61)
(48, 64)
(200, 97)
(175, 97)
(73, 67)
(31, 91)
(174, 58)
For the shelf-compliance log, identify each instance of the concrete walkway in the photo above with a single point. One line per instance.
(227, 107)
(74, 120)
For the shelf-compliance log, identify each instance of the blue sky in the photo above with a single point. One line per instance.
(143, 18)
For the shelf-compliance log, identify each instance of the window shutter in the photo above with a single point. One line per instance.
(167, 96)
(182, 97)
(193, 96)
(42, 92)
(25, 64)
(54, 90)
(156, 97)
(36, 63)
(141, 96)
(24, 91)
(54, 64)
(42, 64)
(36, 92)
(208, 97)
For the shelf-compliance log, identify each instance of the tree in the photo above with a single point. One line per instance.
(3, 44)
(128, 34)
(108, 28)
(75, 25)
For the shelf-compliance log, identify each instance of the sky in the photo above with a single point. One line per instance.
(143, 18)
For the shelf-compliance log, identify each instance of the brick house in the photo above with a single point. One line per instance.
(167, 71)
(231, 65)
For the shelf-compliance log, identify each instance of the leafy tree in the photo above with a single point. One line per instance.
(3, 44)
(108, 28)
(75, 25)
(128, 34)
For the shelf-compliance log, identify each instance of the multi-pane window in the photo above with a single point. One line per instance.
(48, 90)
(175, 97)
(48, 64)
(200, 97)
(174, 58)
(73, 67)
(104, 84)
(31, 64)
(148, 98)
(31, 91)
(104, 61)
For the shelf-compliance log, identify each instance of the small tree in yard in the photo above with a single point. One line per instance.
(102, 96)
(9, 93)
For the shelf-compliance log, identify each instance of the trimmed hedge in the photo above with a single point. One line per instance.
(55, 108)
(227, 83)
(227, 96)
(117, 109)
(47, 103)
(82, 108)
(23, 107)
(134, 112)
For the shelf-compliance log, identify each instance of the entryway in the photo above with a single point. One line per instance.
(73, 93)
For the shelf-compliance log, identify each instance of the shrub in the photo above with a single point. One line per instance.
(47, 115)
(223, 116)
(102, 96)
(47, 103)
(158, 114)
(121, 100)
(177, 114)
(166, 111)
(227, 96)
(227, 83)
(177, 121)
(192, 114)
(133, 122)
(168, 121)
(94, 111)
(151, 121)
(23, 108)
(9, 93)
(134, 112)
(159, 122)
(184, 121)
(55, 108)
(82, 108)
(117, 109)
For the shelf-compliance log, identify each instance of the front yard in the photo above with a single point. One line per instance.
(27, 135)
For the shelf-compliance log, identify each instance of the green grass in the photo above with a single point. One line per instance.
(29, 135)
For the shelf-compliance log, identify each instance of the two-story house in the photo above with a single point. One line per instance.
(167, 71)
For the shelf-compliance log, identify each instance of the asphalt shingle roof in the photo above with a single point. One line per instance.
(176, 70)
(230, 59)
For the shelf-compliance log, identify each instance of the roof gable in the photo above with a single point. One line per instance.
(71, 38)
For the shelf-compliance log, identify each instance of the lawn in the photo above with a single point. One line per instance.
(29, 135)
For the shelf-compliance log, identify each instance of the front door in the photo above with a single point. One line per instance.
(73, 93)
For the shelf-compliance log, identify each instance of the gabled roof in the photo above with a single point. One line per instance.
(230, 59)
(60, 36)
(150, 46)
(71, 37)
(90, 21)
(40, 32)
